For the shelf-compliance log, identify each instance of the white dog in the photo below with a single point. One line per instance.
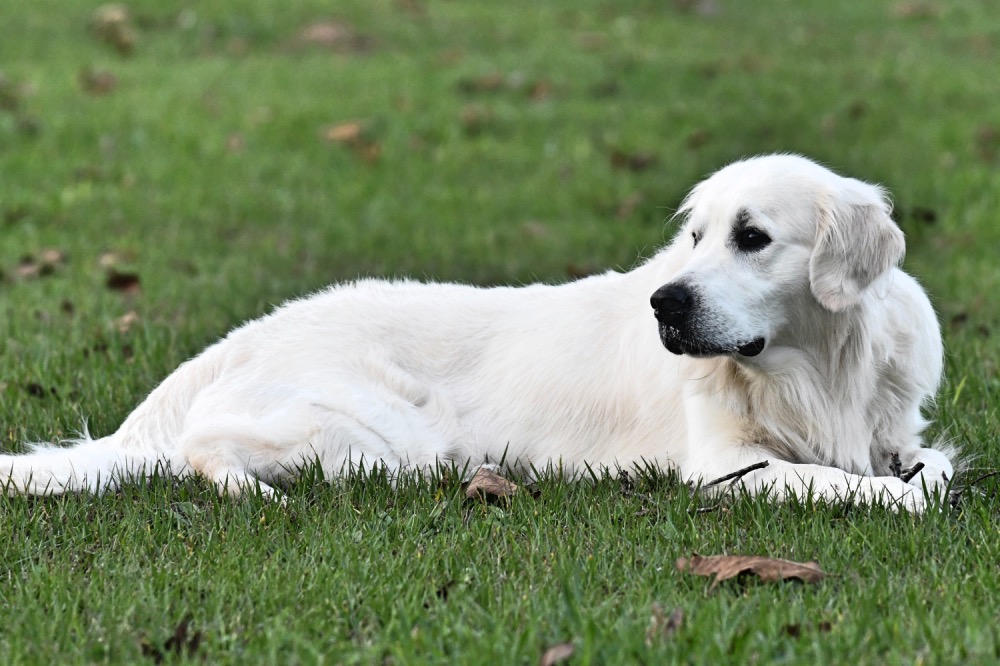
(791, 338)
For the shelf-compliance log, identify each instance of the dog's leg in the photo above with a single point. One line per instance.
(227, 460)
(936, 472)
(342, 429)
(783, 479)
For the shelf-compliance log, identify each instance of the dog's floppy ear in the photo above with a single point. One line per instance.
(856, 242)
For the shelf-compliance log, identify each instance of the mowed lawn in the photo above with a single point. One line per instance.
(168, 170)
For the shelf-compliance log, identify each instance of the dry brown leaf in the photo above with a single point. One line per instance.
(484, 83)
(370, 151)
(97, 81)
(661, 625)
(336, 36)
(628, 206)
(112, 24)
(44, 264)
(592, 41)
(987, 143)
(413, 7)
(126, 321)
(109, 259)
(348, 132)
(126, 282)
(27, 268)
(356, 135)
(540, 90)
(535, 229)
(52, 256)
(475, 118)
(632, 161)
(724, 567)
(487, 484)
(578, 271)
(557, 654)
(10, 94)
(181, 642)
(914, 10)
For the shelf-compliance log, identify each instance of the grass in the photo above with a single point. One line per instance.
(498, 144)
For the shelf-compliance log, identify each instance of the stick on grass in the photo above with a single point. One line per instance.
(738, 474)
(912, 472)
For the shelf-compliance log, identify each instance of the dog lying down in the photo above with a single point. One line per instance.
(780, 330)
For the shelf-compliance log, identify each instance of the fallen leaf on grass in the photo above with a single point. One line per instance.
(479, 84)
(724, 567)
(356, 135)
(179, 643)
(698, 138)
(628, 205)
(488, 485)
(344, 132)
(922, 214)
(986, 143)
(412, 7)
(661, 625)
(112, 24)
(110, 259)
(704, 8)
(632, 161)
(494, 82)
(127, 282)
(10, 94)
(36, 390)
(44, 264)
(914, 10)
(578, 271)
(535, 229)
(97, 81)
(796, 630)
(336, 36)
(557, 654)
(126, 321)
(475, 118)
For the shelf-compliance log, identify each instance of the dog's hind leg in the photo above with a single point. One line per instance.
(241, 454)
(341, 430)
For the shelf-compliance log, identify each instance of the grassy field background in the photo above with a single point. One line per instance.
(165, 179)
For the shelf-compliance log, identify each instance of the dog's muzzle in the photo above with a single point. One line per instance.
(673, 305)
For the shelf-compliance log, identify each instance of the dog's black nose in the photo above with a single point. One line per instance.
(671, 302)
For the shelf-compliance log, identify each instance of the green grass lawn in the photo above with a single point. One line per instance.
(243, 153)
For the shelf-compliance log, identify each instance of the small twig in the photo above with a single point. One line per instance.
(912, 472)
(739, 474)
(995, 472)
(896, 466)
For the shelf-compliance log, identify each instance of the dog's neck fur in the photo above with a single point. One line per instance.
(794, 399)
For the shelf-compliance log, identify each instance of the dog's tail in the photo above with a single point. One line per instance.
(82, 464)
(146, 443)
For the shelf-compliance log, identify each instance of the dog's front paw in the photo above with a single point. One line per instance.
(927, 468)
(897, 494)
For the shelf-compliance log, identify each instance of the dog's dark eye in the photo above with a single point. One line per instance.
(749, 239)
(696, 237)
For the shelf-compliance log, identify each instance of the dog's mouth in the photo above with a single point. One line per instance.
(679, 344)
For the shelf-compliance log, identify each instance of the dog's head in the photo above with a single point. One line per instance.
(764, 241)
